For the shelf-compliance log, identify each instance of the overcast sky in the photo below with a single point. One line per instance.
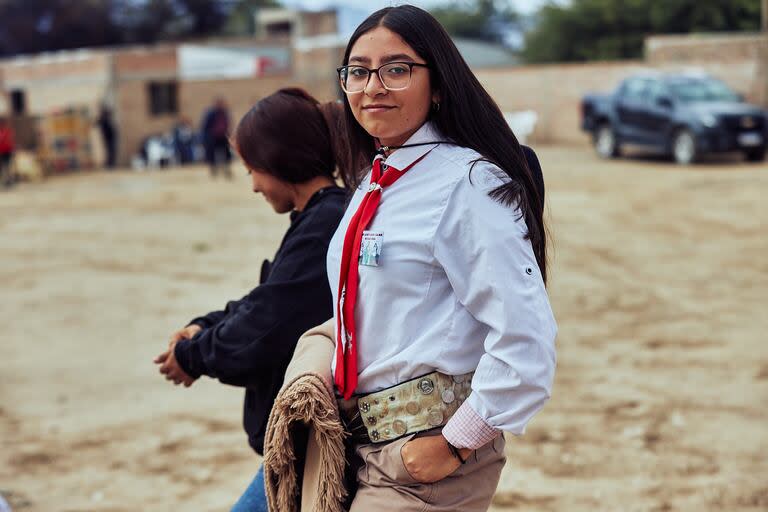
(523, 6)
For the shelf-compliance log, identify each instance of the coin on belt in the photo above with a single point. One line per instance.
(412, 407)
(435, 418)
(426, 386)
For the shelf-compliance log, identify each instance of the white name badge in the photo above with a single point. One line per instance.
(370, 248)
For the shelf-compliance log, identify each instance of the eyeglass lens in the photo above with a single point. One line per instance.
(393, 76)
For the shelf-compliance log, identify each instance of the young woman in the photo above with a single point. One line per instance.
(286, 145)
(444, 332)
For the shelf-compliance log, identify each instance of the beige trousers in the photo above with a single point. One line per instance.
(384, 483)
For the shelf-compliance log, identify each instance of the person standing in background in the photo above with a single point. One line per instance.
(215, 132)
(108, 135)
(184, 141)
(7, 147)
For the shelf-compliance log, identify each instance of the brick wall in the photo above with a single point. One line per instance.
(194, 97)
(703, 47)
(553, 92)
(240, 95)
(717, 50)
(54, 82)
(133, 70)
(317, 23)
(153, 61)
(59, 81)
(318, 66)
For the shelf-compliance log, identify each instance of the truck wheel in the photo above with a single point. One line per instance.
(755, 154)
(606, 142)
(684, 147)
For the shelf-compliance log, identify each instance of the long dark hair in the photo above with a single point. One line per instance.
(287, 135)
(467, 116)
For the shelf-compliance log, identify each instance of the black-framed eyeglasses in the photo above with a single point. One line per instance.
(394, 76)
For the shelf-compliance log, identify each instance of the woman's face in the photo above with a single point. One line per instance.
(390, 116)
(278, 193)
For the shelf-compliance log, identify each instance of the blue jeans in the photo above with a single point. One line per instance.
(254, 499)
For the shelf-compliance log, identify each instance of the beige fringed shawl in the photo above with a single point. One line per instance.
(306, 398)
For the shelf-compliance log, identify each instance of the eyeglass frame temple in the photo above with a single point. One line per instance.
(376, 70)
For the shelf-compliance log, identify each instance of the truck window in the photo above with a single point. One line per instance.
(655, 90)
(634, 90)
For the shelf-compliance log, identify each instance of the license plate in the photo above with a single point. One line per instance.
(750, 139)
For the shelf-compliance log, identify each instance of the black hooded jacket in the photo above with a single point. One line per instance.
(251, 341)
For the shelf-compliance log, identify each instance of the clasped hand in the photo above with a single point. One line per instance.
(169, 366)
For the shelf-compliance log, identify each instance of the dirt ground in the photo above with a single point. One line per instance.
(658, 283)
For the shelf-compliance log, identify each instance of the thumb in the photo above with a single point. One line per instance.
(162, 357)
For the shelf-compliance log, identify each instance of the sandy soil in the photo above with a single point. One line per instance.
(659, 283)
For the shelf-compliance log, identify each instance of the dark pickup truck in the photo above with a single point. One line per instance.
(682, 115)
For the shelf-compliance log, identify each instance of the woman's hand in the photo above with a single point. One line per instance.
(429, 459)
(187, 333)
(171, 368)
(167, 360)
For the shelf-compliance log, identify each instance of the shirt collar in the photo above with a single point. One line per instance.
(402, 158)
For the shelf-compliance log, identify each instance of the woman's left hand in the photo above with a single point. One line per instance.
(428, 459)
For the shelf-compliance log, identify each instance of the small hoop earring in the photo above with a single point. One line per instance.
(436, 106)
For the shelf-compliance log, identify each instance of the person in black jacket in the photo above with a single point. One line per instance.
(286, 144)
(215, 132)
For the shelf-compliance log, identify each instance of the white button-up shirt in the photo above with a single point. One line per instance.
(457, 289)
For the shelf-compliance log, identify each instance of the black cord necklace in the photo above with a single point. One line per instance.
(384, 149)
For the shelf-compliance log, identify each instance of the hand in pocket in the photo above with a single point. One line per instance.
(428, 459)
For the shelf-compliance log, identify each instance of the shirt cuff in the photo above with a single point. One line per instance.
(200, 321)
(467, 429)
(188, 356)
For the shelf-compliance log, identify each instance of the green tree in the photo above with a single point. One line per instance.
(476, 19)
(615, 29)
(32, 26)
(146, 21)
(241, 20)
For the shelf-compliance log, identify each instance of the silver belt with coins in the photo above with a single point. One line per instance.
(413, 406)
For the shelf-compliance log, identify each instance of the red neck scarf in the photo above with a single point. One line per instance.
(346, 337)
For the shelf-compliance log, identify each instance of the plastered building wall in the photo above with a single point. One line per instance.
(554, 91)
